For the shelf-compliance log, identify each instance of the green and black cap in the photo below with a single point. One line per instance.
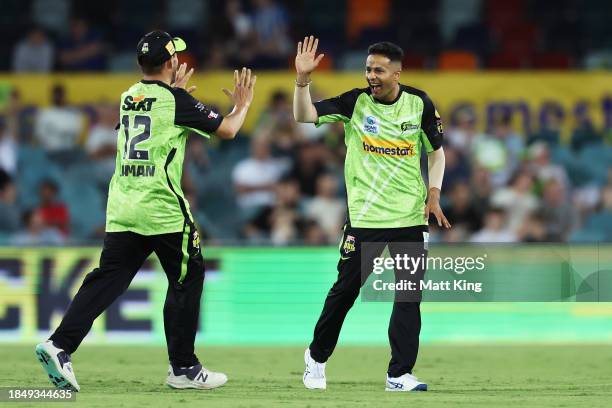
(157, 47)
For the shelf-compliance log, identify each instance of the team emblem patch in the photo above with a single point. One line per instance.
(439, 122)
(195, 241)
(349, 245)
(170, 47)
(406, 126)
(370, 124)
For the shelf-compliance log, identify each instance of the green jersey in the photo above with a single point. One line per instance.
(145, 193)
(382, 168)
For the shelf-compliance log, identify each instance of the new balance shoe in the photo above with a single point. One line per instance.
(314, 373)
(56, 363)
(406, 382)
(194, 377)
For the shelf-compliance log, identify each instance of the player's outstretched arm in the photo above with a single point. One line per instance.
(436, 163)
(241, 96)
(306, 61)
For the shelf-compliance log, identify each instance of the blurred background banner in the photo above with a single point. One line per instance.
(274, 295)
(534, 100)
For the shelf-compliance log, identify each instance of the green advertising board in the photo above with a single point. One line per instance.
(274, 296)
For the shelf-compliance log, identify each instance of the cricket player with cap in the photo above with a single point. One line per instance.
(147, 212)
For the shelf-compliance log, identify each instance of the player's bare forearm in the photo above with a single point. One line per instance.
(436, 164)
(232, 122)
(303, 109)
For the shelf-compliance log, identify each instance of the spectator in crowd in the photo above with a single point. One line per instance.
(584, 133)
(481, 188)
(270, 24)
(602, 217)
(326, 209)
(535, 229)
(276, 123)
(313, 234)
(83, 49)
(513, 142)
(54, 213)
(10, 128)
(556, 211)
(36, 231)
(552, 117)
(457, 169)
(543, 168)
(278, 223)
(463, 130)
(461, 211)
(58, 127)
(285, 218)
(101, 144)
(255, 177)
(232, 41)
(9, 211)
(494, 229)
(309, 163)
(491, 154)
(8, 145)
(34, 53)
(498, 152)
(517, 200)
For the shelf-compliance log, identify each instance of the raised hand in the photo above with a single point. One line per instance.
(306, 60)
(244, 85)
(181, 78)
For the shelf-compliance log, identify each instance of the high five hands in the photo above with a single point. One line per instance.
(243, 88)
(182, 77)
(306, 59)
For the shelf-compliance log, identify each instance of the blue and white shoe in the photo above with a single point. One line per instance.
(406, 382)
(56, 362)
(194, 377)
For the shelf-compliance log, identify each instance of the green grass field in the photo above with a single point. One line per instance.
(458, 376)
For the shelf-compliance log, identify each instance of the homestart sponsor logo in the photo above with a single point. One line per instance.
(388, 148)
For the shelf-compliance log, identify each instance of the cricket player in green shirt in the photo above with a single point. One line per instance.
(386, 125)
(147, 212)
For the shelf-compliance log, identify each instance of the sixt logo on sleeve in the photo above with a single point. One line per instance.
(370, 124)
(137, 103)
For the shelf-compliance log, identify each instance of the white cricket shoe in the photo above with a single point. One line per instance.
(406, 382)
(195, 376)
(56, 362)
(314, 373)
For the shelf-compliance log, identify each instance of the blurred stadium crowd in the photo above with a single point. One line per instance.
(70, 35)
(283, 185)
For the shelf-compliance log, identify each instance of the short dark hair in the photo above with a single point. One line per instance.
(149, 69)
(388, 49)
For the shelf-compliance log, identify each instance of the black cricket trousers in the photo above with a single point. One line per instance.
(405, 322)
(122, 256)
